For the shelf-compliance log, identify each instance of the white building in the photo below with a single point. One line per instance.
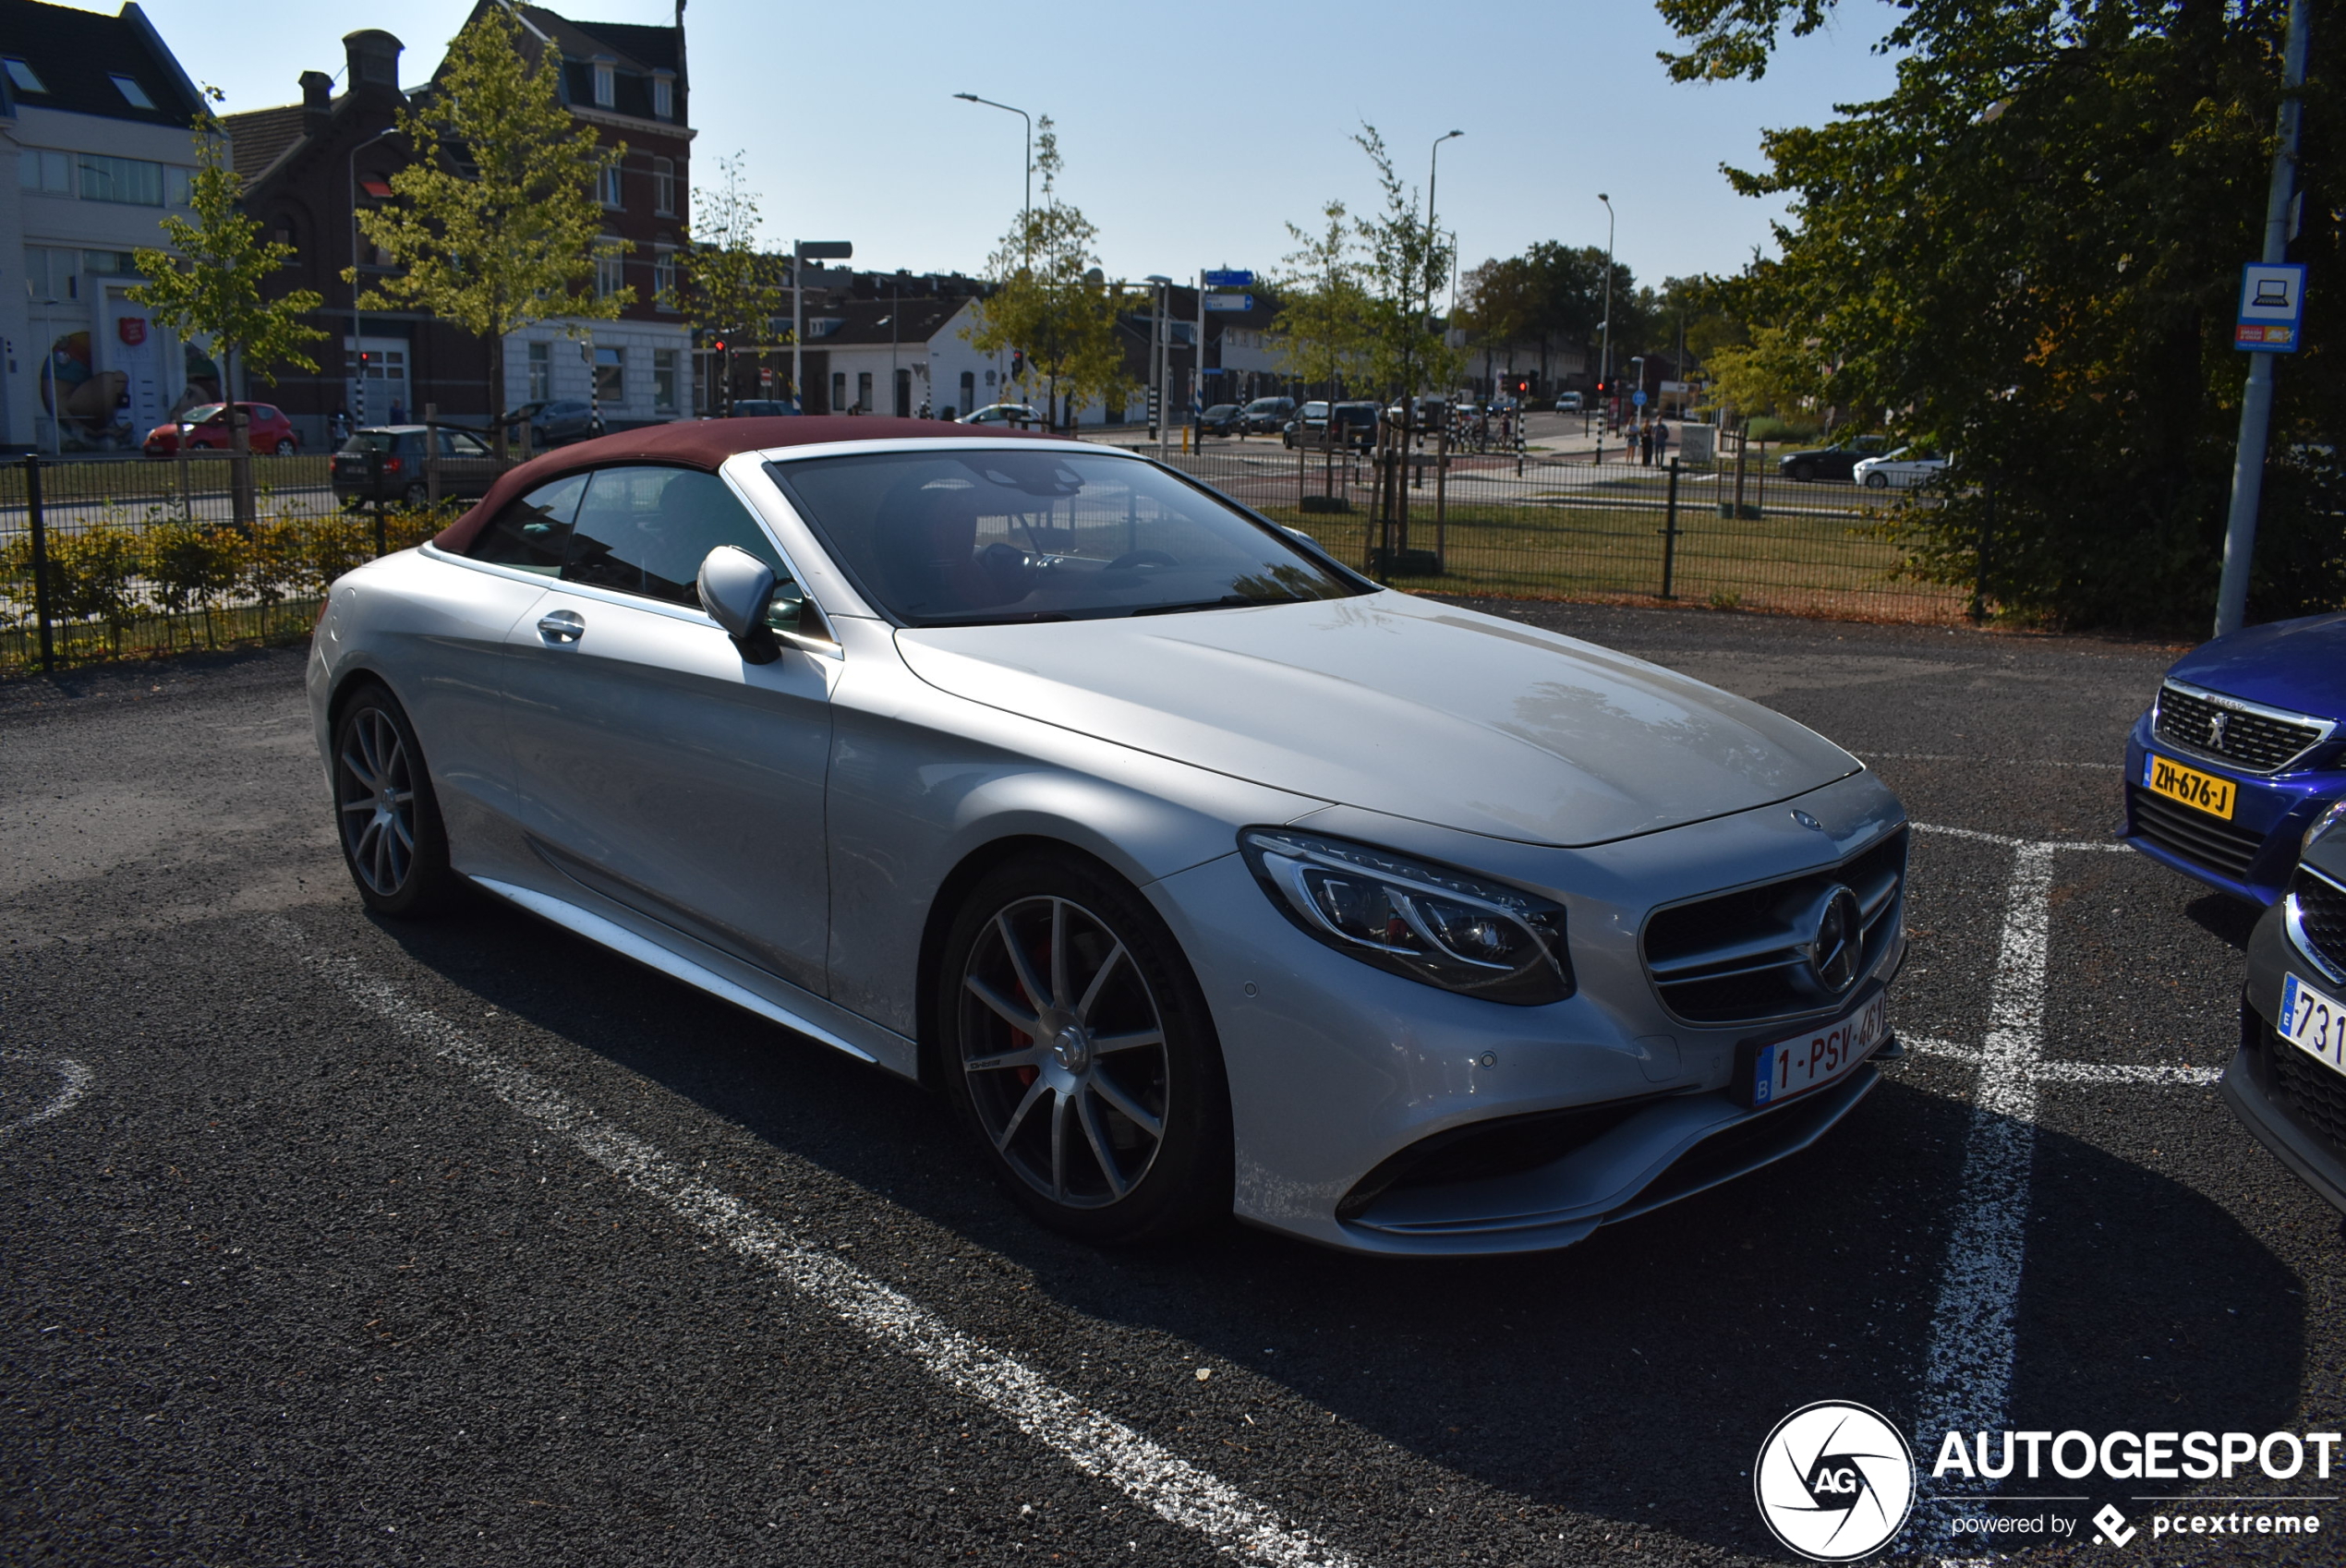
(95, 114)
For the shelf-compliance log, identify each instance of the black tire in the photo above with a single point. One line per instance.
(1801, 471)
(1877, 481)
(284, 448)
(418, 495)
(387, 819)
(1103, 1180)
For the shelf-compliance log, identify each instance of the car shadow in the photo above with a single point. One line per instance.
(1631, 1378)
(2226, 919)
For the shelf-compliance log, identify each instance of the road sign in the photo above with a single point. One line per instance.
(2272, 307)
(1229, 301)
(1229, 279)
(1639, 397)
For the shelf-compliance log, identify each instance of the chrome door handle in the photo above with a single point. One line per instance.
(561, 626)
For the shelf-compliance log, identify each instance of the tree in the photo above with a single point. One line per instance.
(1321, 324)
(1403, 263)
(1552, 295)
(494, 222)
(210, 285)
(730, 290)
(2028, 252)
(1050, 300)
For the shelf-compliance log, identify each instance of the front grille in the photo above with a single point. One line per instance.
(1740, 957)
(2222, 847)
(2316, 1095)
(2318, 917)
(2213, 726)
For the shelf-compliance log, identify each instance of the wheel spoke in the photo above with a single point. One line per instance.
(1099, 978)
(1025, 970)
(1007, 1011)
(1096, 1137)
(1108, 1044)
(1112, 1092)
(366, 804)
(1025, 1057)
(1059, 952)
(1059, 1146)
(360, 769)
(1035, 1092)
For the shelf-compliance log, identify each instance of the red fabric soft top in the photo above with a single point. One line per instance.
(702, 444)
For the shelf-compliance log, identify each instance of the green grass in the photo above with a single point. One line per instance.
(133, 480)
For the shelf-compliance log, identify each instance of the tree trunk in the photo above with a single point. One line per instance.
(243, 506)
(497, 394)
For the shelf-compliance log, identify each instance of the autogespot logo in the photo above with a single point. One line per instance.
(1835, 1481)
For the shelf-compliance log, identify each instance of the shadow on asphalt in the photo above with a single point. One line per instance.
(1632, 1378)
(2225, 918)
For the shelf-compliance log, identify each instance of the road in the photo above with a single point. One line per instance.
(331, 1240)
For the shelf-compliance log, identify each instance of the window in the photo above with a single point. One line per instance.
(903, 394)
(460, 444)
(50, 173)
(532, 532)
(541, 372)
(606, 84)
(132, 94)
(23, 75)
(611, 374)
(664, 380)
(611, 269)
(664, 187)
(131, 180)
(646, 530)
(864, 391)
(176, 186)
(664, 96)
(110, 263)
(839, 392)
(52, 277)
(664, 279)
(607, 186)
(968, 391)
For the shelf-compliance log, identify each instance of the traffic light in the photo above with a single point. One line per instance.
(719, 345)
(1018, 365)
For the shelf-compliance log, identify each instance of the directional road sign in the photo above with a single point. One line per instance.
(2272, 307)
(1229, 279)
(1229, 301)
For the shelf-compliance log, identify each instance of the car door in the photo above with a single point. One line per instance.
(656, 766)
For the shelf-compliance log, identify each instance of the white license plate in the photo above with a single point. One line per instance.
(2315, 1024)
(1812, 1060)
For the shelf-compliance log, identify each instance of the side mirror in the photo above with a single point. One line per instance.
(737, 589)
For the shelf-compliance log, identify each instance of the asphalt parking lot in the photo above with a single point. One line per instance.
(326, 1240)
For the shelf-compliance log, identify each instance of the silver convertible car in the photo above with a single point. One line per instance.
(1203, 874)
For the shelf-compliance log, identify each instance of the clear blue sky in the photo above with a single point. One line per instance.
(1192, 137)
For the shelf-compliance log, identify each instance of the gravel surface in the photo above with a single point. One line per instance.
(331, 1240)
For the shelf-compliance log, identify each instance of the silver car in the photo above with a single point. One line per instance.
(1201, 873)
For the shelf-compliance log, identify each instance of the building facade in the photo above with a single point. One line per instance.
(98, 117)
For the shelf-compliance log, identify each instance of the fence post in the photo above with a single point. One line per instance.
(40, 562)
(1979, 614)
(431, 453)
(1442, 503)
(1670, 533)
(375, 492)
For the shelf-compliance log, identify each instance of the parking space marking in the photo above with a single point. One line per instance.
(1968, 1364)
(1099, 1445)
(77, 1078)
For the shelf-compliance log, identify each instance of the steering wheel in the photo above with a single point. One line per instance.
(1133, 558)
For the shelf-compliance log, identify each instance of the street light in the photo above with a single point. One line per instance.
(1605, 376)
(1432, 236)
(1026, 212)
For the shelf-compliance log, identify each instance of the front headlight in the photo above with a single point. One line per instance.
(2323, 824)
(1424, 922)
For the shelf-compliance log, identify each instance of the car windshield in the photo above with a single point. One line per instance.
(973, 537)
(370, 441)
(201, 412)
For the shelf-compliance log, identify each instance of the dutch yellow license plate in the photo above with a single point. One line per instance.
(2201, 792)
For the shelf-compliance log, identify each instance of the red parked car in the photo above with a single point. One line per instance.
(266, 430)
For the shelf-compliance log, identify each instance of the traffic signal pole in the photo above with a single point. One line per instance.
(2256, 403)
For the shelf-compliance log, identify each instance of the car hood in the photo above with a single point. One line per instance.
(2296, 664)
(1401, 705)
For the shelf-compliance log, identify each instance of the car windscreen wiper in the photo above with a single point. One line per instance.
(1227, 601)
(1024, 617)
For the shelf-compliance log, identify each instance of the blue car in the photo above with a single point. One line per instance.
(2240, 753)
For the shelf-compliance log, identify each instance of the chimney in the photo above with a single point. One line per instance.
(317, 100)
(372, 56)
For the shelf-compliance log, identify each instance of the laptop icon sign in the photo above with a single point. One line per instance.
(2272, 293)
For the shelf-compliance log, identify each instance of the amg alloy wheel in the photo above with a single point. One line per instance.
(1077, 1047)
(390, 827)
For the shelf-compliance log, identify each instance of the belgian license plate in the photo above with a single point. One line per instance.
(1793, 1067)
(2315, 1024)
(2201, 792)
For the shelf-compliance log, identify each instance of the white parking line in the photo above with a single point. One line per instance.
(1968, 1366)
(77, 1078)
(1099, 1445)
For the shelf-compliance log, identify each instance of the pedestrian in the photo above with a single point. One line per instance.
(398, 412)
(1645, 445)
(1660, 440)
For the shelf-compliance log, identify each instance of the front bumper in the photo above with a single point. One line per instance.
(1337, 1069)
(2249, 857)
(2296, 1108)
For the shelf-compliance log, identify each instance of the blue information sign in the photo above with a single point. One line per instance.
(2272, 307)
(1639, 397)
(1229, 279)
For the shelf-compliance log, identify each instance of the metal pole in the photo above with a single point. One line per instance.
(357, 320)
(1026, 212)
(797, 325)
(1432, 236)
(40, 561)
(431, 453)
(2256, 403)
(1986, 538)
(1670, 534)
(1604, 372)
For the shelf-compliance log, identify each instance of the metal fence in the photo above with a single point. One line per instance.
(1727, 534)
(113, 559)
